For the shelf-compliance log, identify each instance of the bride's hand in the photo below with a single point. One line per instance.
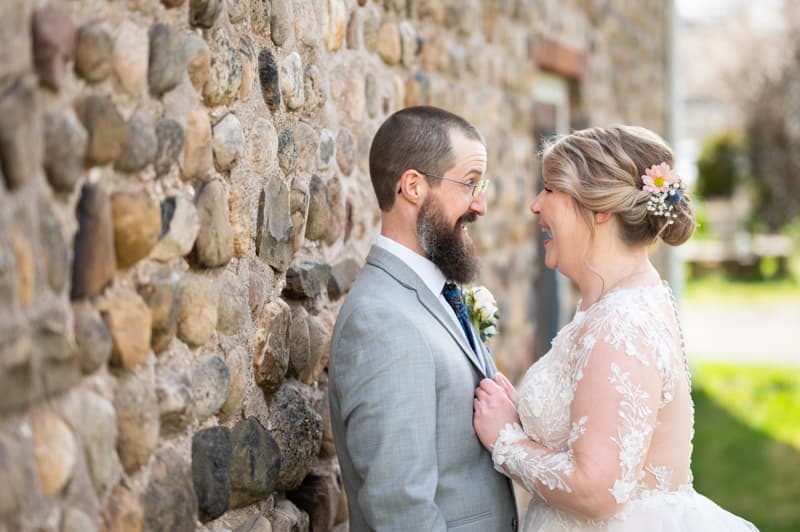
(493, 411)
(507, 387)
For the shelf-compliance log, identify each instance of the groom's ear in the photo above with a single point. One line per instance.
(602, 217)
(411, 186)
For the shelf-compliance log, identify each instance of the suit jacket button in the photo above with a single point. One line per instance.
(514, 524)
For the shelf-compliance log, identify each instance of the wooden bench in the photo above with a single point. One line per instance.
(740, 256)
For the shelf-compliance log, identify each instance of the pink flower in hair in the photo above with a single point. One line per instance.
(659, 177)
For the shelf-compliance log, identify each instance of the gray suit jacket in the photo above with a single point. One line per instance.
(402, 382)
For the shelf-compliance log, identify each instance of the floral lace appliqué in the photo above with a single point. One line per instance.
(632, 436)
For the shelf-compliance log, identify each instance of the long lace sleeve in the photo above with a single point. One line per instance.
(616, 392)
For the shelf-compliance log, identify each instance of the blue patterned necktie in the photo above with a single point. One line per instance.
(453, 296)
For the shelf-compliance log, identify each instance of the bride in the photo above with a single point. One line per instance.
(601, 431)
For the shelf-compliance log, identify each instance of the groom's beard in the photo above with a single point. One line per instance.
(449, 248)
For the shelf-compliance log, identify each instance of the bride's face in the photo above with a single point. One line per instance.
(566, 233)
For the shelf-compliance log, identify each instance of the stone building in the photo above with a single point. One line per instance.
(185, 199)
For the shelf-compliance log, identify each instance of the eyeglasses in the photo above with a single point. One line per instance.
(477, 188)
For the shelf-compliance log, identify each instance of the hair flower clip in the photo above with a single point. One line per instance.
(665, 187)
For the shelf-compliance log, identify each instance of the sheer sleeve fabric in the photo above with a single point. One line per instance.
(616, 393)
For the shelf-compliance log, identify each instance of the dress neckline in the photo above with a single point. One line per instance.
(616, 290)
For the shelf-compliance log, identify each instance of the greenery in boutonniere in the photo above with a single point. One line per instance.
(482, 310)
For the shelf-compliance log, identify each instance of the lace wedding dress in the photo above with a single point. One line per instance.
(605, 440)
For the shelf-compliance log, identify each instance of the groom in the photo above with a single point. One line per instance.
(403, 366)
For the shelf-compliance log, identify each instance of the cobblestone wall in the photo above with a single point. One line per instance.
(184, 201)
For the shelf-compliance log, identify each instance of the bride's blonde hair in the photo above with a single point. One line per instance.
(602, 169)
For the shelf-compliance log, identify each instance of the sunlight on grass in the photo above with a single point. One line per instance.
(764, 398)
(747, 442)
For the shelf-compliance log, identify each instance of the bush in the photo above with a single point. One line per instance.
(719, 166)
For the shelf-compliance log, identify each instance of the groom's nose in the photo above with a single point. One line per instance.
(478, 205)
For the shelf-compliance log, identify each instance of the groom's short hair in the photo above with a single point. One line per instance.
(415, 138)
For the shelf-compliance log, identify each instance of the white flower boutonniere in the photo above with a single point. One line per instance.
(482, 310)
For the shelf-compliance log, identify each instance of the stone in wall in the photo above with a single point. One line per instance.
(333, 25)
(276, 230)
(166, 61)
(197, 313)
(338, 217)
(315, 88)
(204, 13)
(54, 448)
(389, 44)
(319, 332)
(214, 244)
(94, 258)
(53, 44)
(307, 30)
(307, 280)
(170, 139)
(342, 276)
(233, 310)
(326, 150)
(228, 142)
(91, 336)
(65, 148)
(137, 225)
(259, 288)
(297, 429)
(129, 322)
(255, 463)
(298, 203)
(54, 364)
(225, 72)
(138, 418)
(345, 151)
(25, 265)
(211, 464)
(291, 81)
(319, 210)
(175, 396)
(318, 496)
(240, 207)
(169, 501)
(55, 255)
(160, 293)
(287, 152)
(198, 158)
(99, 436)
(287, 518)
(142, 145)
(93, 46)
(260, 12)
(198, 60)
(20, 133)
(130, 57)
(299, 340)
(210, 379)
(249, 60)
(262, 147)
(123, 511)
(180, 224)
(281, 21)
(271, 353)
(269, 78)
(239, 365)
(108, 132)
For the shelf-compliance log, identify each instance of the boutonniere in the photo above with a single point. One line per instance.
(482, 310)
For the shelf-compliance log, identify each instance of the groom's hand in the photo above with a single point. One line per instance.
(493, 411)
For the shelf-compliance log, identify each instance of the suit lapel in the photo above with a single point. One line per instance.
(400, 271)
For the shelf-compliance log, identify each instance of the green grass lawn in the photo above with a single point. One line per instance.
(747, 442)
